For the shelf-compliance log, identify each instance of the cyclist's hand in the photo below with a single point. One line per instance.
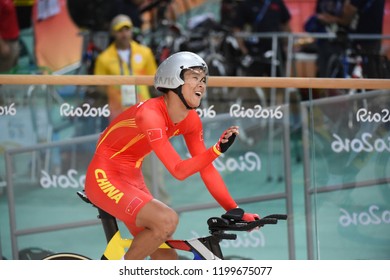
(249, 217)
(227, 139)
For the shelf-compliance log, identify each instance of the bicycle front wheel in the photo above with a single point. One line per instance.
(66, 256)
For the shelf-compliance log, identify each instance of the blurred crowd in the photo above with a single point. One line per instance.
(240, 35)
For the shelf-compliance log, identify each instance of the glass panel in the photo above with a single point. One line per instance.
(323, 161)
(349, 163)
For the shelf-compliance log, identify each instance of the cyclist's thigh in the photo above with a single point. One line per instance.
(157, 215)
(117, 189)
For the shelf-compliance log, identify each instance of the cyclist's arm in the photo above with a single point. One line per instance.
(217, 188)
(210, 175)
(179, 168)
(153, 126)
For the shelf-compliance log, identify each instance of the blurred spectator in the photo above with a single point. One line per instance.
(228, 12)
(95, 15)
(124, 56)
(361, 17)
(258, 16)
(24, 12)
(325, 47)
(129, 8)
(9, 36)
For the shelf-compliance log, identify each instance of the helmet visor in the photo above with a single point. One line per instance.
(198, 75)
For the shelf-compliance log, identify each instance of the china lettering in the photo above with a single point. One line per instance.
(360, 145)
(69, 180)
(85, 110)
(249, 162)
(374, 216)
(256, 112)
(8, 110)
(363, 115)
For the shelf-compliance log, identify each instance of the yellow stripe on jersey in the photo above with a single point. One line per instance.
(124, 123)
(129, 144)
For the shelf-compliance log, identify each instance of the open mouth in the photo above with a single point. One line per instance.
(198, 93)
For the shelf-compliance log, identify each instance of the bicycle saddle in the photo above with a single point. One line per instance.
(83, 196)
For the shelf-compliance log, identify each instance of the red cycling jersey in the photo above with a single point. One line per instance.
(136, 132)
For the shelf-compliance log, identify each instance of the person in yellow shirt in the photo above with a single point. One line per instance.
(125, 56)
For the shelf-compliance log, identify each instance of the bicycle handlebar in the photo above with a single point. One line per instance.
(231, 221)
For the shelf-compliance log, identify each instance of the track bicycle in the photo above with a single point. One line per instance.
(202, 248)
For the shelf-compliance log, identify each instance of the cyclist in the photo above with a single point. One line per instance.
(114, 180)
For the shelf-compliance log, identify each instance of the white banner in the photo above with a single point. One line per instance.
(207, 270)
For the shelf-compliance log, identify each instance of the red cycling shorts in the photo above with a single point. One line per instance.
(118, 189)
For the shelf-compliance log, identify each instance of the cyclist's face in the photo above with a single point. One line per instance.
(194, 87)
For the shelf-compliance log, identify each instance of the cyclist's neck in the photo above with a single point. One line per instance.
(176, 110)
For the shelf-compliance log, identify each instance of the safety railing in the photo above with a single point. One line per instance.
(245, 166)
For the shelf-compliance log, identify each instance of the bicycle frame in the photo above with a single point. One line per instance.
(202, 248)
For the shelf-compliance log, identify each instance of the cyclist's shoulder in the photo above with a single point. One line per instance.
(192, 122)
(154, 103)
(194, 116)
(152, 109)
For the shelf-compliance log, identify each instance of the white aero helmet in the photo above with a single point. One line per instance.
(169, 73)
